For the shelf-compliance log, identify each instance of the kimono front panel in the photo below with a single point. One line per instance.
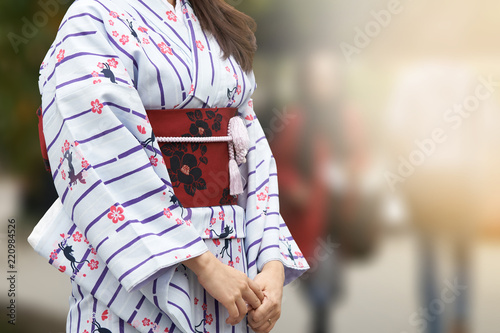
(117, 226)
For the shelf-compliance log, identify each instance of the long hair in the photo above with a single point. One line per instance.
(233, 30)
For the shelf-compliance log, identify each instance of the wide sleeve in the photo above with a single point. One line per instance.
(111, 180)
(268, 237)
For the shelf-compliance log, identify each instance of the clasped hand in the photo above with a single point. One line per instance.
(260, 298)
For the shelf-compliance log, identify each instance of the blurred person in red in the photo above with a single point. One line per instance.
(320, 158)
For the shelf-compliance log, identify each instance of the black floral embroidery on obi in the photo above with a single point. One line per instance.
(184, 164)
(185, 170)
(200, 126)
(226, 199)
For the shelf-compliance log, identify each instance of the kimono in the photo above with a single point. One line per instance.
(116, 229)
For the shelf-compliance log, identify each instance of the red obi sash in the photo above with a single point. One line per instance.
(197, 155)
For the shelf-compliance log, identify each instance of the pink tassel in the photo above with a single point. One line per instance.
(238, 149)
(235, 182)
(241, 141)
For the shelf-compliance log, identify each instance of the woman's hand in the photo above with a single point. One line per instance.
(270, 279)
(232, 288)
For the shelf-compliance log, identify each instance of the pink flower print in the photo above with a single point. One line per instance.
(230, 263)
(85, 331)
(100, 65)
(212, 222)
(85, 163)
(179, 221)
(142, 29)
(167, 213)
(184, 10)
(61, 159)
(261, 196)
(97, 81)
(188, 222)
(204, 307)
(200, 45)
(112, 62)
(111, 22)
(95, 74)
(53, 255)
(207, 232)
(250, 104)
(209, 319)
(235, 76)
(116, 214)
(239, 248)
(66, 145)
(171, 16)
(228, 69)
(60, 56)
(298, 254)
(153, 160)
(63, 174)
(221, 215)
(105, 314)
(266, 189)
(238, 90)
(216, 242)
(86, 241)
(301, 264)
(93, 264)
(77, 237)
(191, 90)
(238, 240)
(194, 18)
(196, 301)
(164, 48)
(237, 260)
(146, 322)
(115, 33)
(114, 14)
(188, 256)
(166, 330)
(124, 40)
(145, 41)
(94, 252)
(96, 106)
(136, 323)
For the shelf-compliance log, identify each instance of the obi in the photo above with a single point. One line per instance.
(202, 149)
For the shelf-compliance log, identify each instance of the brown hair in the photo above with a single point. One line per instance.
(233, 30)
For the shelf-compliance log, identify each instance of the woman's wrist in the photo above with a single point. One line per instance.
(202, 264)
(274, 267)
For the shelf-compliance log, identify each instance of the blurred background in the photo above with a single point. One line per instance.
(384, 119)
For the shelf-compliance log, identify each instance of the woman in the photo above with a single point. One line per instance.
(140, 260)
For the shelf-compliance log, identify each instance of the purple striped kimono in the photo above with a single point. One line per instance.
(116, 229)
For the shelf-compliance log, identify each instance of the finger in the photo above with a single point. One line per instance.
(259, 315)
(251, 298)
(242, 308)
(267, 326)
(233, 311)
(268, 309)
(256, 289)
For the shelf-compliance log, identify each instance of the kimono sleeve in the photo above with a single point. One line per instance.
(112, 182)
(268, 237)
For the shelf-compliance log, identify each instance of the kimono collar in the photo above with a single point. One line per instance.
(199, 45)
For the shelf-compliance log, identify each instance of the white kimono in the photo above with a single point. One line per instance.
(116, 229)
